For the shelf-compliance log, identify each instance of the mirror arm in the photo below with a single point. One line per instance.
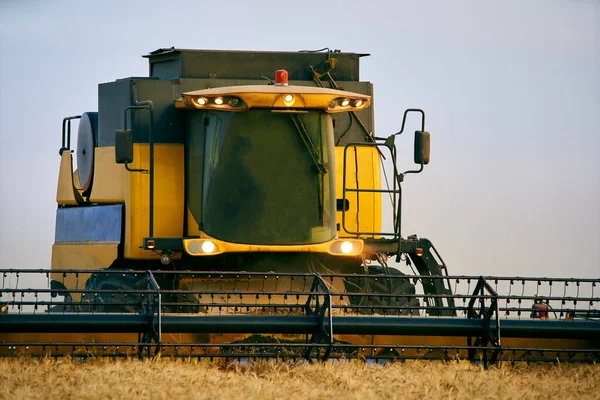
(417, 110)
(413, 171)
(389, 142)
(142, 170)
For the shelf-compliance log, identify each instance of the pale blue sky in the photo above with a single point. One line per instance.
(511, 90)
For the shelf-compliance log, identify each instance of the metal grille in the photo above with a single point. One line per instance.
(241, 315)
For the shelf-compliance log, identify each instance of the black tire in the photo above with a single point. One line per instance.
(384, 281)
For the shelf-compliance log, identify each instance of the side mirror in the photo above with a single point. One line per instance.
(124, 146)
(422, 147)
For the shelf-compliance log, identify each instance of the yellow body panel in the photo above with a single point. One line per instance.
(363, 170)
(88, 256)
(77, 183)
(66, 194)
(110, 178)
(169, 193)
(193, 228)
(113, 184)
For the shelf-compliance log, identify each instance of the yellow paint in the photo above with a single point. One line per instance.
(364, 213)
(76, 182)
(66, 194)
(228, 247)
(113, 184)
(34, 341)
(110, 178)
(168, 197)
(87, 256)
(192, 225)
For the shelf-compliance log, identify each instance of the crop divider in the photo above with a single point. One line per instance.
(489, 333)
(324, 332)
(154, 324)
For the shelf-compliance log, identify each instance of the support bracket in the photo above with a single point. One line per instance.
(489, 334)
(154, 324)
(320, 295)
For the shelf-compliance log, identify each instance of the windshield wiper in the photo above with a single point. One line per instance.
(310, 146)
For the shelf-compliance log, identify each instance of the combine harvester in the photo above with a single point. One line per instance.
(217, 213)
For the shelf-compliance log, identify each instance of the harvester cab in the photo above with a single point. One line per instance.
(205, 165)
(217, 206)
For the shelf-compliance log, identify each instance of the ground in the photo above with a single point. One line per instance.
(167, 379)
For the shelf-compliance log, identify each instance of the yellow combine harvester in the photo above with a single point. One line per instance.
(217, 212)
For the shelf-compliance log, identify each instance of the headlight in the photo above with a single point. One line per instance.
(227, 103)
(346, 104)
(208, 247)
(201, 247)
(346, 247)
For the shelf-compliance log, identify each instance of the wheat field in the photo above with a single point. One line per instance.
(188, 379)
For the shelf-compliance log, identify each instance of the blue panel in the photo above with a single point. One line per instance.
(89, 224)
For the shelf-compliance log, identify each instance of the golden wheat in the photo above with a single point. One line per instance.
(188, 379)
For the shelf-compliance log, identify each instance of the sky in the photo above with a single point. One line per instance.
(511, 90)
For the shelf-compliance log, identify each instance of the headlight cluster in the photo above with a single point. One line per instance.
(231, 103)
(349, 104)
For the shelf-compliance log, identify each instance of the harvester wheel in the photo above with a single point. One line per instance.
(386, 281)
(115, 295)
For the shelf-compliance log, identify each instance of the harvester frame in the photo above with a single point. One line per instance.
(309, 324)
(216, 214)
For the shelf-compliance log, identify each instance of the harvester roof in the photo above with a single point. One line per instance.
(172, 63)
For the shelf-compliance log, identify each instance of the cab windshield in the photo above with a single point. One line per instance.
(265, 177)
